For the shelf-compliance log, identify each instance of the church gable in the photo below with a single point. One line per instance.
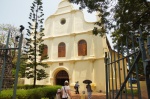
(66, 21)
(64, 7)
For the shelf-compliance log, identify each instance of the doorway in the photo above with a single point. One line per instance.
(61, 77)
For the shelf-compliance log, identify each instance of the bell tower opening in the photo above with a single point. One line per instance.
(61, 77)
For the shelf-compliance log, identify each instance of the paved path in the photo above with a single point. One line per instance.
(96, 95)
(84, 96)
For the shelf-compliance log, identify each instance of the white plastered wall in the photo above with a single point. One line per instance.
(75, 29)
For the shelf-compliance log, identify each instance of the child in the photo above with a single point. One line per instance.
(58, 94)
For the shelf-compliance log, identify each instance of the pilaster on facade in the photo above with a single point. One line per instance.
(51, 81)
(73, 73)
(73, 34)
(92, 59)
(92, 53)
(93, 72)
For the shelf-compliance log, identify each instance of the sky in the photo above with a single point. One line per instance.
(16, 12)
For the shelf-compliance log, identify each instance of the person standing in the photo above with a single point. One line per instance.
(77, 87)
(65, 90)
(89, 90)
(58, 94)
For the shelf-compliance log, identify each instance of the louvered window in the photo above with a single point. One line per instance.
(82, 48)
(44, 53)
(61, 49)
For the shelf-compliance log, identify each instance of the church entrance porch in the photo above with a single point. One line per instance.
(61, 77)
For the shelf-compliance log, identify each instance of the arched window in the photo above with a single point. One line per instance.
(61, 49)
(45, 52)
(82, 48)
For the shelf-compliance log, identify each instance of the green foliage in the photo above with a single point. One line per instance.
(122, 16)
(41, 74)
(34, 40)
(129, 15)
(30, 86)
(140, 68)
(101, 7)
(34, 93)
(22, 94)
(135, 91)
(6, 94)
(22, 66)
(14, 31)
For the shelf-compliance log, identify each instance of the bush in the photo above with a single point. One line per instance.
(34, 93)
(30, 86)
(22, 94)
(6, 94)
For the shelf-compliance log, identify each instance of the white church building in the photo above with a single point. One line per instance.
(75, 54)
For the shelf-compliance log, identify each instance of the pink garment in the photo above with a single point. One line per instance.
(58, 94)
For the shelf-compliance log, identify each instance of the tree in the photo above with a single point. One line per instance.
(102, 7)
(4, 29)
(34, 46)
(123, 16)
(22, 66)
(129, 15)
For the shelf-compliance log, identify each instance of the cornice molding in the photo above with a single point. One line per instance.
(72, 60)
(71, 34)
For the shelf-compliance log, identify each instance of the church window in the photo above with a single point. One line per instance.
(63, 21)
(44, 51)
(82, 48)
(62, 74)
(61, 49)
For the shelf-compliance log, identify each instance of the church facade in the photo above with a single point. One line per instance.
(75, 54)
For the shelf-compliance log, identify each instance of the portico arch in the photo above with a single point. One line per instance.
(61, 77)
